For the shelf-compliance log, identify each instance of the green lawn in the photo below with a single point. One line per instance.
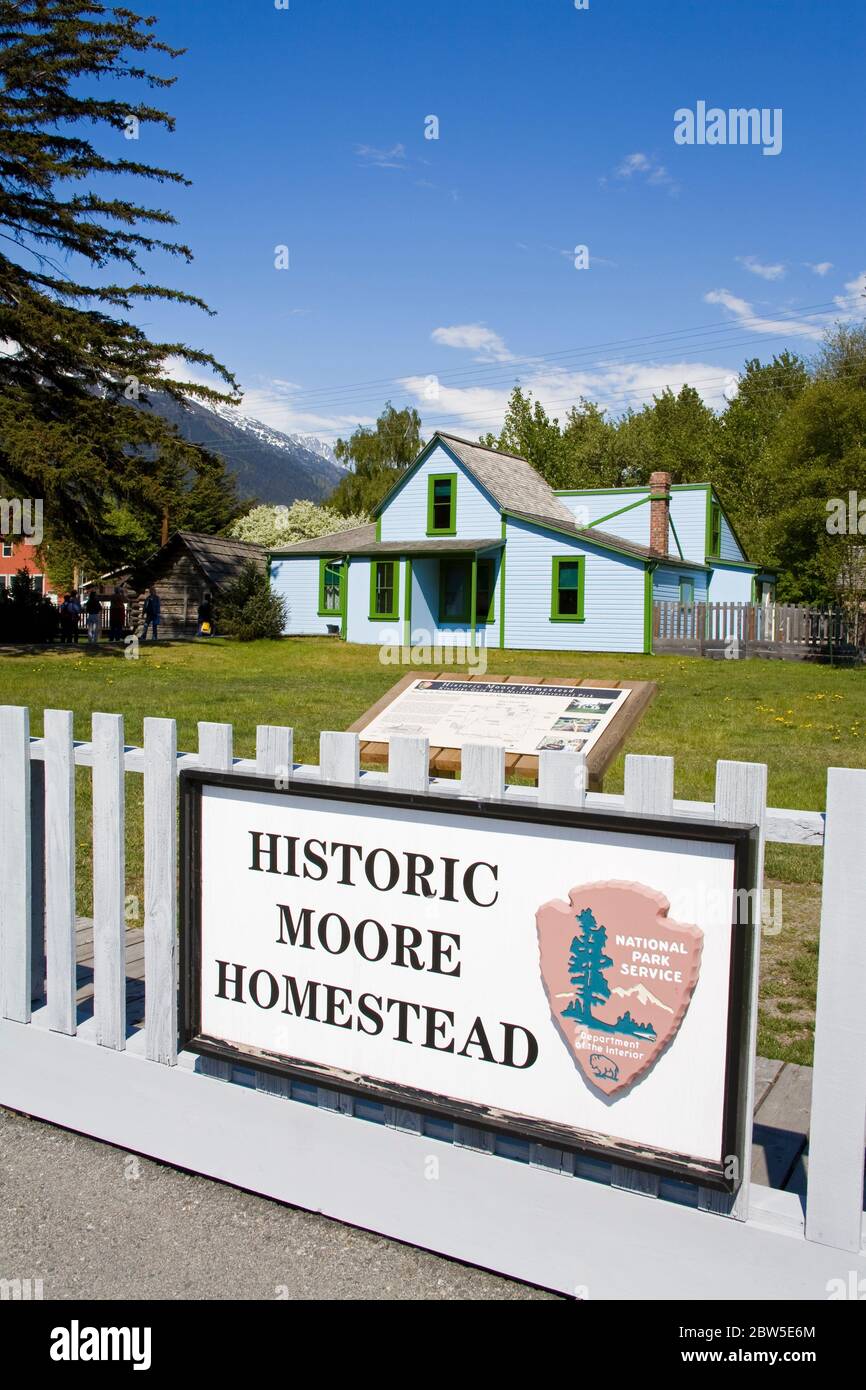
(797, 718)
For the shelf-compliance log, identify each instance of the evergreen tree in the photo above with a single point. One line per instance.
(249, 608)
(75, 358)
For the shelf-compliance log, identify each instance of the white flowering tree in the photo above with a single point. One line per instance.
(273, 526)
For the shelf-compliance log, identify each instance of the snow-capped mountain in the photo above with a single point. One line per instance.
(270, 466)
(278, 439)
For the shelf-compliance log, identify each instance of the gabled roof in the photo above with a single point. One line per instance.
(362, 541)
(333, 543)
(219, 558)
(511, 481)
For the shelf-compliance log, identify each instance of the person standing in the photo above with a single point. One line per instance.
(151, 614)
(73, 609)
(205, 617)
(66, 621)
(116, 617)
(93, 610)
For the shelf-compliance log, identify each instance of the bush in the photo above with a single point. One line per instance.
(249, 608)
(26, 616)
(273, 527)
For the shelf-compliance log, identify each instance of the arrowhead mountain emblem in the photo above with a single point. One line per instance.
(619, 976)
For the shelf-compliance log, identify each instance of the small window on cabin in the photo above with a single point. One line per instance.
(715, 529)
(384, 595)
(331, 591)
(484, 586)
(442, 497)
(455, 590)
(567, 598)
(687, 591)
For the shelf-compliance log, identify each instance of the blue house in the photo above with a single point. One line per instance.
(472, 546)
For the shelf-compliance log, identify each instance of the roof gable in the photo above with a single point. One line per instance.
(511, 482)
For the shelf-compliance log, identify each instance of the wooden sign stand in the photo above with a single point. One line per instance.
(445, 762)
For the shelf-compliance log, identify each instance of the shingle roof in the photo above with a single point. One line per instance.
(593, 535)
(510, 480)
(220, 558)
(362, 541)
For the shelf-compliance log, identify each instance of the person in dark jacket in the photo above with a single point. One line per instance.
(205, 618)
(116, 617)
(151, 614)
(68, 620)
(93, 610)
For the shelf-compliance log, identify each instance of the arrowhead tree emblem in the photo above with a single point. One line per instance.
(619, 976)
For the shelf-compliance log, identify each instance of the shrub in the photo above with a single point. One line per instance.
(249, 608)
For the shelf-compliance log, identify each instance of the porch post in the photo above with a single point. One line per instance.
(473, 617)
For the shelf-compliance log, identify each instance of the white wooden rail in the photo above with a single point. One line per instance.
(138, 1092)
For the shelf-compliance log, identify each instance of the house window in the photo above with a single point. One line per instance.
(715, 529)
(383, 589)
(442, 504)
(455, 590)
(38, 582)
(687, 591)
(485, 585)
(331, 588)
(566, 603)
(8, 549)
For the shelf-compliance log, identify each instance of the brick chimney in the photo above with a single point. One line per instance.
(660, 512)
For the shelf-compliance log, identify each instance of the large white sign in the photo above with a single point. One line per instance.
(525, 718)
(566, 979)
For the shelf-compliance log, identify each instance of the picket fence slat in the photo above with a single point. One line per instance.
(339, 758)
(160, 893)
(60, 871)
(408, 763)
(274, 751)
(15, 908)
(834, 1212)
(109, 882)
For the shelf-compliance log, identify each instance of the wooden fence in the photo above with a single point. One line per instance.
(551, 1218)
(784, 631)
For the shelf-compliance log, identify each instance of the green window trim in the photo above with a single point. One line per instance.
(384, 579)
(568, 575)
(434, 482)
(448, 564)
(489, 567)
(337, 564)
(714, 529)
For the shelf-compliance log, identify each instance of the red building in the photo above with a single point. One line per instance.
(19, 554)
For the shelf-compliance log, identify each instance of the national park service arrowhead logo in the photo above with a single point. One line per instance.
(619, 977)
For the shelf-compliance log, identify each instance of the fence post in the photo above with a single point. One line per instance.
(109, 882)
(60, 871)
(834, 1196)
(15, 906)
(741, 796)
(160, 890)
(274, 759)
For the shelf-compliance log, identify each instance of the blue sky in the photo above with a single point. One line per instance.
(438, 271)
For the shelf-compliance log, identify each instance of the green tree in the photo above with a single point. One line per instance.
(249, 608)
(376, 458)
(274, 526)
(76, 359)
(587, 965)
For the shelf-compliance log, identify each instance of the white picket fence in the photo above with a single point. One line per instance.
(555, 1220)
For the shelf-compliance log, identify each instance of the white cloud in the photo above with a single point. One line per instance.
(471, 410)
(745, 315)
(766, 272)
(646, 167)
(854, 302)
(395, 158)
(487, 345)
(819, 268)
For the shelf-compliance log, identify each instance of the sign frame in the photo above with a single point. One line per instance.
(582, 1143)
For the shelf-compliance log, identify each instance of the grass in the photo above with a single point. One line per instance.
(797, 718)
